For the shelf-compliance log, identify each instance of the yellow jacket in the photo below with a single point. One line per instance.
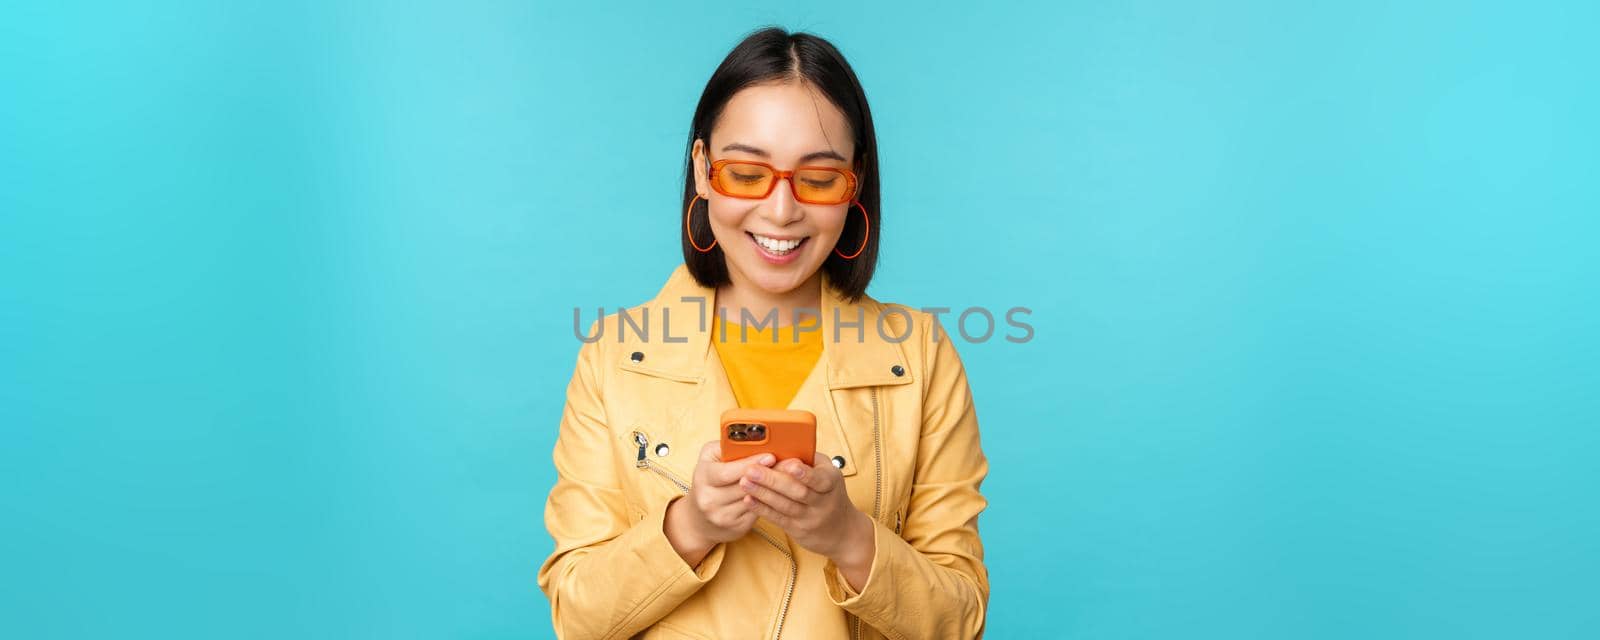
(893, 410)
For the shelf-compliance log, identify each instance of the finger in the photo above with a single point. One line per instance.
(734, 509)
(746, 519)
(713, 497)
(776, 501)
(734, 516)
(794, 467)
(711, 451)
(726, 473)
(780, 482)
(762, 509)
(822, 477)
(814, 479)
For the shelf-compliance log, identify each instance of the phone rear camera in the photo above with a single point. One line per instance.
(746, 432)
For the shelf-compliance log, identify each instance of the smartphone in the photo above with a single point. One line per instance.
(785, 433)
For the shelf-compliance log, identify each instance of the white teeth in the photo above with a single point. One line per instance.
(776, 246)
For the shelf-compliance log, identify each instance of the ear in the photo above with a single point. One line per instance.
(702, 179)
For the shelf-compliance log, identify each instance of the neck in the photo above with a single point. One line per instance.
(741, 297)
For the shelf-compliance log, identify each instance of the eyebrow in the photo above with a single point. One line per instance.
(814, 155)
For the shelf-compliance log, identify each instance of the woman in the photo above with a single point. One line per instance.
(877, 535)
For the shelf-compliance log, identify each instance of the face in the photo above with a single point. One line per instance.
(776, 243)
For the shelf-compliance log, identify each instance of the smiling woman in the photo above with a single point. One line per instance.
(656, 536)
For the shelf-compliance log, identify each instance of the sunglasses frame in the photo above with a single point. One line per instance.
(779, 174)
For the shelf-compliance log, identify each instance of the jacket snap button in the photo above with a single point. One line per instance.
(638, 356)
(897, 370)
(662, 450)
(838, 462)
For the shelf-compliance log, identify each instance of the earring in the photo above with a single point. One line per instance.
(865, 233)
(687, 228)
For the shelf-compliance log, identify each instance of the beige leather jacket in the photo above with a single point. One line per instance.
(893, 410)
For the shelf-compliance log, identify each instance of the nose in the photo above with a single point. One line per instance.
(783, 208)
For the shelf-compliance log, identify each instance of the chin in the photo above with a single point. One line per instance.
(778, 280)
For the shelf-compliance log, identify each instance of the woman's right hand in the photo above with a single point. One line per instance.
(714, 511)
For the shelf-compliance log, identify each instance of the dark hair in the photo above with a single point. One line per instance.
(769, 55)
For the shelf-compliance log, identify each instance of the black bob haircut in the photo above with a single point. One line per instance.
(775, 55)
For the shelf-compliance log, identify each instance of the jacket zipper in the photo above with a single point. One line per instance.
(644, 462)
(877, 491)
(788, 587)
(877, 460)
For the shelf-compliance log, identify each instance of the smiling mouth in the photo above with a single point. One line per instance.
(775, 246)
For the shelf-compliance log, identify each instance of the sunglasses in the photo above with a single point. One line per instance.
(756, 180)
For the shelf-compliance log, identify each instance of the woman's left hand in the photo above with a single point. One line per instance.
(810, 503)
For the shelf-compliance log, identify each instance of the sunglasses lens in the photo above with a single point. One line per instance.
(742, 180)
(822, 186)
(813, 186)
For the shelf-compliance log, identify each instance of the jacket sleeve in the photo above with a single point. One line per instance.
(929, 581)
(607, 577)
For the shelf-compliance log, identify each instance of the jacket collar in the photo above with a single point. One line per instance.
(855, 351)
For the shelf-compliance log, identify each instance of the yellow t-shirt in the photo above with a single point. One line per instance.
(765, 374)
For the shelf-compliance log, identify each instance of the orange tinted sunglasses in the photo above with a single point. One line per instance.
(756, 180)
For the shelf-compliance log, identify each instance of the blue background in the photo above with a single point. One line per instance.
(286, 296)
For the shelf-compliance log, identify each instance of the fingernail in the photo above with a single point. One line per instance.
(753, 474)
(796, 472)
(767, 458)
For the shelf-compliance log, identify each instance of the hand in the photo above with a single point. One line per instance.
(714, 510)
(810, 503)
